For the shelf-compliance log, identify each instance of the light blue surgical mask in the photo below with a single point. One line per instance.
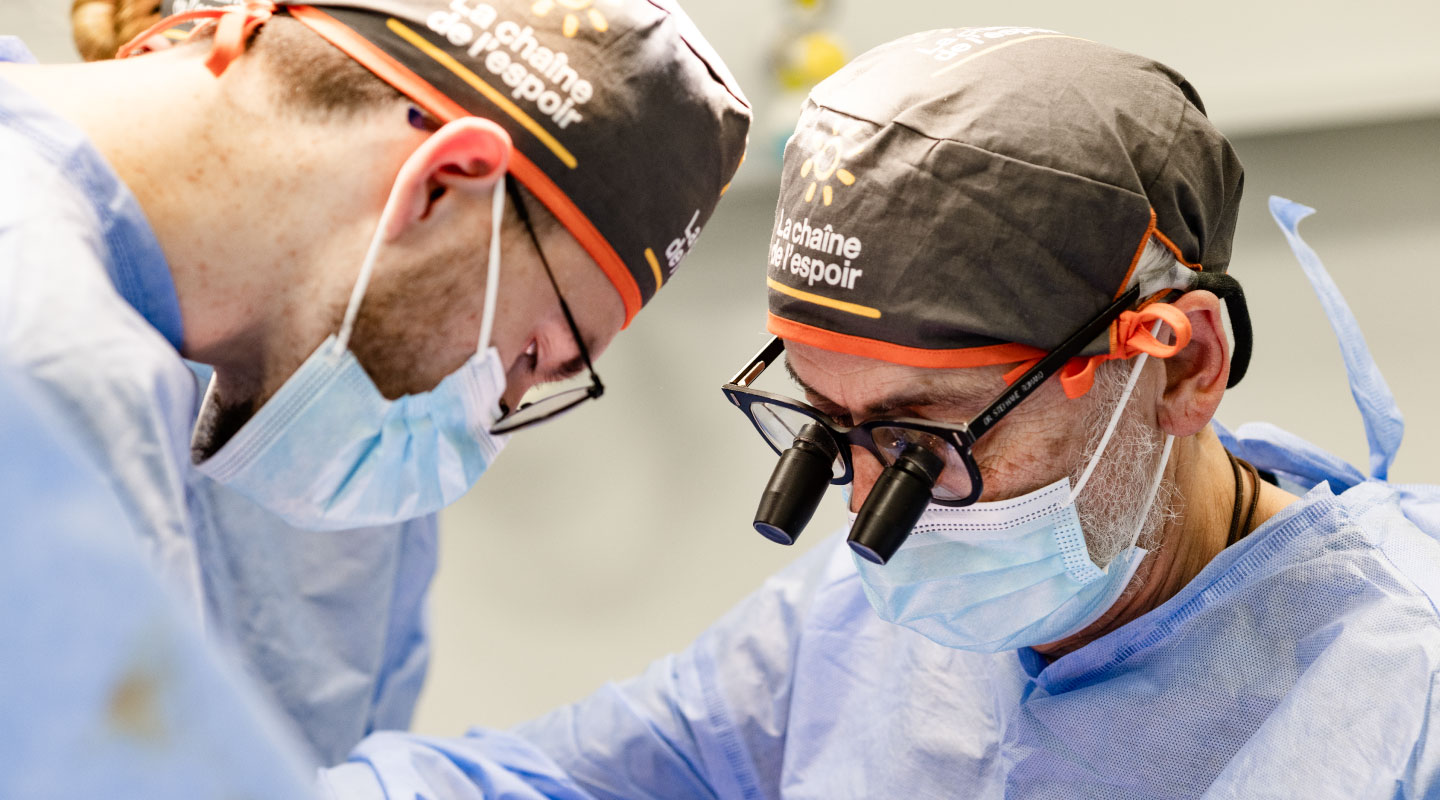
(1000, 576)
(328, 451)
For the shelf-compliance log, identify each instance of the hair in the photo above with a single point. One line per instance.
(313, 77)
(100, 27)
(1112, 506)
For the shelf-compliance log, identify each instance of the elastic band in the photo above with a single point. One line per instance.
(1128, 338)
(233, 33)
(136, 46)
(367, 268)
(236, 24)
(1114, 420)
(492, 275)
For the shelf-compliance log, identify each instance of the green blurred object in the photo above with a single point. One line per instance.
(806, 51)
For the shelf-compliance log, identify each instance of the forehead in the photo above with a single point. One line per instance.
(872, 387)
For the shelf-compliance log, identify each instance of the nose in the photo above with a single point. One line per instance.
(517, 382)
(867, 470)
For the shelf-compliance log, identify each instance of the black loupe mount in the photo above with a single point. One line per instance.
(796, 485)
(895, 504)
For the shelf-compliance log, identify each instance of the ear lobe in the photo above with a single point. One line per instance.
(468, 154)
(1195, 377)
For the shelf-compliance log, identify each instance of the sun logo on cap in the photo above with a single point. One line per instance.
(824, 164)
(571, 25)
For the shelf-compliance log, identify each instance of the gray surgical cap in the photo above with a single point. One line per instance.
(974, 196)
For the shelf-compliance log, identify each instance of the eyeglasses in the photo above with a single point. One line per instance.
(780, 419)
(552, 405)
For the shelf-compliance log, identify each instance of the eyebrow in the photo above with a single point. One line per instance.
(567, 370)
(928, 396)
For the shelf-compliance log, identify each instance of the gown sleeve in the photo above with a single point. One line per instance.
(709, 722)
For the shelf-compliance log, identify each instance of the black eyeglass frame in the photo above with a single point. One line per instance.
(961, 436)
(566, 400)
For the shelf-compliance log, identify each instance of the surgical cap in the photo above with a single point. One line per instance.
(974, 196)
(625, 123)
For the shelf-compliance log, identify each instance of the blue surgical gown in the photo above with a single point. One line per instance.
(107, 686)
(330, 623)
(1302, 661)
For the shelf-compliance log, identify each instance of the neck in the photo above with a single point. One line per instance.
(1188, 541)
(242, 238)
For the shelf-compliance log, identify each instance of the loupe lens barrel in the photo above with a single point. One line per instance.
(895, 503)
(796, 486)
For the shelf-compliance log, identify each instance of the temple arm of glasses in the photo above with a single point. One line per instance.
(513, 190)
(1036, 375)
(767, 356)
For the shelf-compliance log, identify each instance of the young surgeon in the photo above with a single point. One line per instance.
(998, 274)
(380, 224)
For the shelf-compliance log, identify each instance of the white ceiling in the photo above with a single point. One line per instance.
(1261, 65)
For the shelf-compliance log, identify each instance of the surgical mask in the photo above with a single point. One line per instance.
(1016, 573)
(328, 451)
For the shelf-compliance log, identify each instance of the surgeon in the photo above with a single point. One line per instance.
(998, 276)
(379, 226)
(108, 699)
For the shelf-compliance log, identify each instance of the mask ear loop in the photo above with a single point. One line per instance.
(1154, 488)
(1115, 419)
(367, 267)
(492, 276)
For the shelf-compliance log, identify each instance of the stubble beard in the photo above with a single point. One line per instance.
(1112, 507)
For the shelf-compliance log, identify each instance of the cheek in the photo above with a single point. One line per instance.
(417, 325)
(1027, 454)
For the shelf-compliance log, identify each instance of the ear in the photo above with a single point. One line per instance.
(467, 155)
(1195, 377)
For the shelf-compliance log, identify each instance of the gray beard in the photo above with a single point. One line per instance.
(1112, 506)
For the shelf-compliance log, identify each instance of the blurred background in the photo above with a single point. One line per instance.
(616, 534)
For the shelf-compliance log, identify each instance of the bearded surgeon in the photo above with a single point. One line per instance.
(999, 281)
(379, 225)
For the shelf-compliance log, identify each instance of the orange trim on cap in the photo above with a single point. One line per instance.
(136, 46)
(1135, 259)
(899, 353)
(582, 229)
(490, 92)
(438, 103)
(1179, 256)
(379, 62)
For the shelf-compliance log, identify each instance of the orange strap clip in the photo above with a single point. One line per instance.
(236, 24)
(1129, 337)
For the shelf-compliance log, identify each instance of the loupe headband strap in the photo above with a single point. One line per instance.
(762, 360)
(1050, 364)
